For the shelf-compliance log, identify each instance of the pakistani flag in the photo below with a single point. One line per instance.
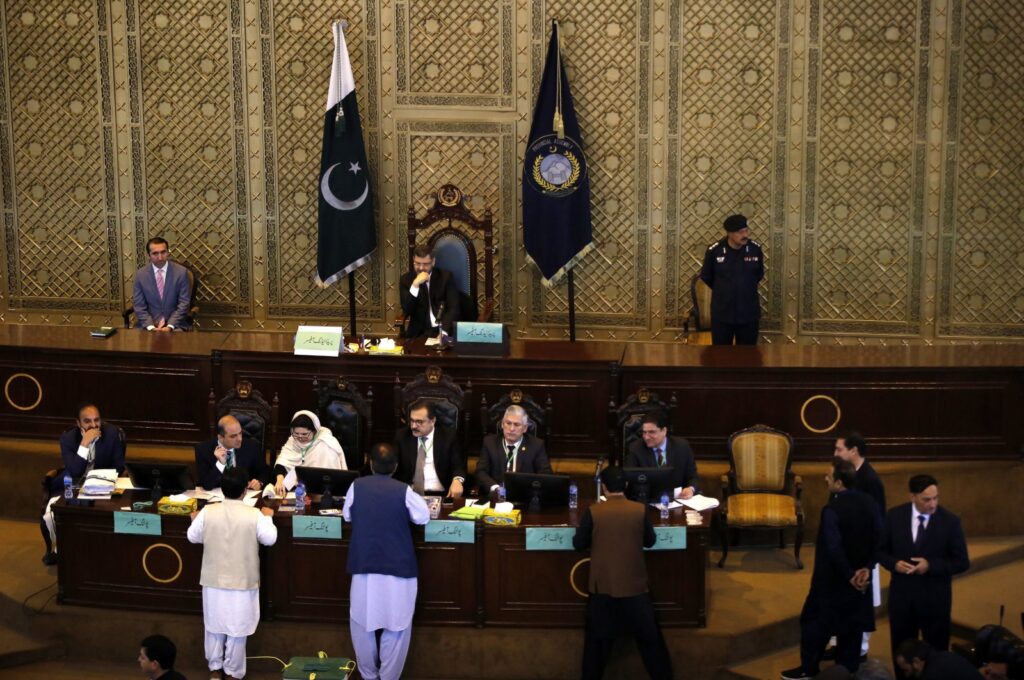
(556, 189)
(347, 233)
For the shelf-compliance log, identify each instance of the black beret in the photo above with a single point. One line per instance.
(735, 222)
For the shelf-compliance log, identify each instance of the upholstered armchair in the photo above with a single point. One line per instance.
(761, 491)
(540, 416)
(256, 415)
(348, 413)
(624, 420)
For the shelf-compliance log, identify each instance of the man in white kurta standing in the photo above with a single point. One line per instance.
(382, 562)
(231, 533)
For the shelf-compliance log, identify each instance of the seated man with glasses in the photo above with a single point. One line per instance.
(310, 445)
(516, 451)
(429, 456)
(658, 450)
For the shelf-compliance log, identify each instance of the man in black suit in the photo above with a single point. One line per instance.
(433, 308)
(839, 601)
(923, 546)
(91, 445)
(429, 457)
(228, 449)
(852, 448)
(516, 451)
(659, 450)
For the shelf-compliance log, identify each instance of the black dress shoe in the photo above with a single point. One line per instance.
(50, 558)
(795, 674)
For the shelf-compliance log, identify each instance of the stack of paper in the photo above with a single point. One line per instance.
(701, 503)
(98, 484)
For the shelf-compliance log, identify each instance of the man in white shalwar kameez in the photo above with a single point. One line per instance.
(231, 533)
(382, 562)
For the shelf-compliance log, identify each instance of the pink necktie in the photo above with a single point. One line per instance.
(160, 283)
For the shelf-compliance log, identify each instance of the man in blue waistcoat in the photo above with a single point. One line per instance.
(382, 562)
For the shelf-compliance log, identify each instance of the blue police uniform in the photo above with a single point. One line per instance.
(733, 276)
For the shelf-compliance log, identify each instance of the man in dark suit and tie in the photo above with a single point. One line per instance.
(429, 456)
(428, 296)
(923, 546)
(516, 451)
(227, 450)
(839, 601)
(659, 450)
(161, 295)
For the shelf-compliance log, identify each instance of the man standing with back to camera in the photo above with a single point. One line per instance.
(733, 268)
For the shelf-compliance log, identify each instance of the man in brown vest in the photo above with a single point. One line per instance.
(616, 532)
(231, 533)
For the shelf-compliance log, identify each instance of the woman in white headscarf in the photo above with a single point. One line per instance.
(309, 445)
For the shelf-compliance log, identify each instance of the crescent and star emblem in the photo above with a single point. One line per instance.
(334, 201)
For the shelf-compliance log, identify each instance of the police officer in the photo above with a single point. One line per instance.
(732, 269)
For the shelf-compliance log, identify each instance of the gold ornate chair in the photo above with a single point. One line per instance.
(700, 313)
(761, 491)
(349, 415)
(449, 227)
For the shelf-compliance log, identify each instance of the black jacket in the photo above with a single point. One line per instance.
(247, 456)
(733, 276)
(448, 460)
(678, 454)
(444, 300)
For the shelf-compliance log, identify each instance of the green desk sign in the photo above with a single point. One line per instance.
(319, 341)
(449, 531)
(669, 538)
(549, 538)
(475, 331)
(145, 523)
(316, 526)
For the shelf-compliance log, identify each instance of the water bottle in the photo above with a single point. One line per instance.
(664, 507)
(300, 498)
(501, 493)
(69, 493)
(574, 495)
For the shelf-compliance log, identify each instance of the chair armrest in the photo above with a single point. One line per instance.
(798, 489)
(725, 486)
(126, 314)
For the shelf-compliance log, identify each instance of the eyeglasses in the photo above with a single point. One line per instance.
(415, 421)
(302, 435)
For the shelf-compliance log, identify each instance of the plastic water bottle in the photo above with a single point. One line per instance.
(69, 493)
(501, 493)
(664, 507)
(300, 498)
(574, 495)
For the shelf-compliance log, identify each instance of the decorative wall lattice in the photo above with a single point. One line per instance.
(874, 146)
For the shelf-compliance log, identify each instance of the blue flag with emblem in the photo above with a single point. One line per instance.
(347, 233)
(556, 189)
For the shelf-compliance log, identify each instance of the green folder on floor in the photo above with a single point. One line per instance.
(318, 668)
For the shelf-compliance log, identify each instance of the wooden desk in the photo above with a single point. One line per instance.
(494, 581)
(154, 385)
(910, 401)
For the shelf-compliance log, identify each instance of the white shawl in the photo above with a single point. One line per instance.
(323, 451)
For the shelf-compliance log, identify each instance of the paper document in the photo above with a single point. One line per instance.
(671, 504)
(701, 503)
(251, 497)
(99, 483)
(432, 342)
(211, 496)
(124, 483)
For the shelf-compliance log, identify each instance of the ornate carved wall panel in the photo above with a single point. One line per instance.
(454, 53)
(982, 266)
(480, 159)
(875, 147)
(189, 141)
(727, 130)
(606, 47)
(56, 157)
(296, 50)
(865, 167)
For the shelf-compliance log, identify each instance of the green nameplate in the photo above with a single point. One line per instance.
(316, 526)
(549, 538)
(449, 531)
(319, 341)
(145, 523)
(474, 331)
(669, 538)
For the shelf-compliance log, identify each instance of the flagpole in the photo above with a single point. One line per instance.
(572, 307)
(352, 303)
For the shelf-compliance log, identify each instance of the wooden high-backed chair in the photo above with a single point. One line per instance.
(700, 313)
